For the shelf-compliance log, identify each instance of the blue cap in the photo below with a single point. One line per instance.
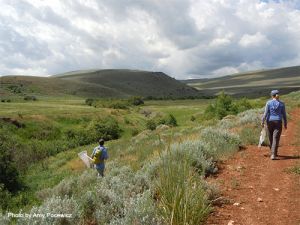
(274, 92)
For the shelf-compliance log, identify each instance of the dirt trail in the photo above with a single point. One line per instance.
(250, 175)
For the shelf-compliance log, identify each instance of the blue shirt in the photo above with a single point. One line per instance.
(103, 156)
(275, 111)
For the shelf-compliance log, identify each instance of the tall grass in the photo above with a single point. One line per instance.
(181, 196)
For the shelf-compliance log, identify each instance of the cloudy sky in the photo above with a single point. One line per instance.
(183, 38)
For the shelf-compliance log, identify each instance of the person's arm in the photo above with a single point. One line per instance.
(284, 117)
(266, 114)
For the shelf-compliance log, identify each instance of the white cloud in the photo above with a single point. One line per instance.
(255, 40)
(182, 38)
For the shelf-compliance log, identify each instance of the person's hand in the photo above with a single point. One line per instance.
(262, 125)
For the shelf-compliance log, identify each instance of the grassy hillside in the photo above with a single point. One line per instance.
(133, 82)
(13, 86)
(253, 84)
(97, 83)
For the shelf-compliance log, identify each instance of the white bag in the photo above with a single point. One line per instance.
(85, 158)
(262, 137)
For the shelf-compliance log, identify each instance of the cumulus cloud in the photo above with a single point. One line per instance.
(185, 39)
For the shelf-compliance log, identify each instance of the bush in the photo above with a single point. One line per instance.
(52, 206)
(139, 210)
(171, 120)
(243, 105)
(9, 176)
(250, 135)
(136, 101)
(151, 125)
(89, 101)
(221, 141)
(107, 128)
(134, 132)
(30, 98)
(224, 106)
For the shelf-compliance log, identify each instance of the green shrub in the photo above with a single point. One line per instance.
(134, 132)
(221, 141)
(243, 105)
(140, 210)
(89, 101)
(136, 101)
(250, 135)
(51, 206)
(107, 128)
(151, 125)
(171, 120)
(30, 98)
(225, 105)
(9, 176)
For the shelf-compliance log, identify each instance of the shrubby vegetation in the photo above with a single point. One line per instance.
(169, 120)
(225, 105)
(156, 177)
(115, 103)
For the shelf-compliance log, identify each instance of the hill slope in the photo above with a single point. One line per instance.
(133, 82)
(254, 84)
(98, 83)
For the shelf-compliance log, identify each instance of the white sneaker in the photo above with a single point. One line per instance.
(272, 157)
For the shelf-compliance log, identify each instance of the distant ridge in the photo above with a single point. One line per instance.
(111, 83)
(251, 84)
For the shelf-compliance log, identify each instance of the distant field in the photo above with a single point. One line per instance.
(252, 84)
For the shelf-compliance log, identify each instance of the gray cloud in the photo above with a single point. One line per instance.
(182, 38)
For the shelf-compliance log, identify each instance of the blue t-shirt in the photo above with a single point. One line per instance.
(103, 156)
(274, 111)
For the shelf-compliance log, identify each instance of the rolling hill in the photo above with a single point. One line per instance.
(98, 83)
(251, 84)
(133, 82)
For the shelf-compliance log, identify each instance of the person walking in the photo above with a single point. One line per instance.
(99, 156)
(273, 116)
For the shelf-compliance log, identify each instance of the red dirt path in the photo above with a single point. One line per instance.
(250, 174)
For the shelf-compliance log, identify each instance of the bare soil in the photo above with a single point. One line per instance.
(256, 190)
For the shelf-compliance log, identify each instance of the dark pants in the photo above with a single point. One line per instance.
(274, 128)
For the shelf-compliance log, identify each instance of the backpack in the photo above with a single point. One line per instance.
(97, 156)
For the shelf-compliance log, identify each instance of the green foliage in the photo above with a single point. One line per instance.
(30, 98)
(107, 128)
(151, 124)
(171, 120)
(115, 103)
(221, 141)
(5, 100)
(249, 135)
(136, 100)
(89, 101)
(295, 169)
(134, 132)
(180, 193)
(9, 175)
(224, 106)
(243, 105)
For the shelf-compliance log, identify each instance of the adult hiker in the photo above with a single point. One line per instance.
(99, 156)
(274, 113)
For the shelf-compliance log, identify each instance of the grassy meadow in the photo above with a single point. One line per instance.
(153, 176)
